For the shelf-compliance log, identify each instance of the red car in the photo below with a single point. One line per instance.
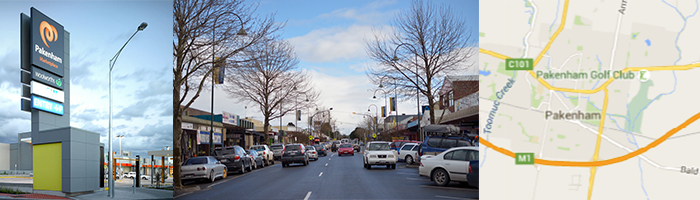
(346, 148)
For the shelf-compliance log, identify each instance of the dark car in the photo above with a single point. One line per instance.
(235, 158)
(334, 145)
(321, 149)
(473, 173)
(257, 158)
(294, 153)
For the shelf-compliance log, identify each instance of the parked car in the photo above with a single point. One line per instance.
(321, 149)
(450, 165)
(277, 151)
(396, 144)
(203, 167)
(434, 145)
(235, 158)
(259, 161)
(473, 173)
(145, 177)
(266, 153)
(408, 152)
(130, 175)
(311, 151)
(346, 148)
(294, 153)
(379, 153)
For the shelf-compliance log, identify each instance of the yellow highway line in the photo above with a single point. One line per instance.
(597, 144)
(600, 162)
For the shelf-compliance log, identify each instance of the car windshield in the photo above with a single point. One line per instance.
(346, 146)
(309, 148)
(196, 161)
(277, 147)
(378, 146)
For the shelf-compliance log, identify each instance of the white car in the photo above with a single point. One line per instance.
(450, 165)
(409, 152)
(265, 152)
(311, 151)
(380, 153)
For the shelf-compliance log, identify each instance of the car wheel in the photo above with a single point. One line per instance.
(212, 178)
(250, 168)
(352, 154)
(409, 159)
(440, 177)
(388, 166)
(393, 166)
(284, 165)
(369, 166)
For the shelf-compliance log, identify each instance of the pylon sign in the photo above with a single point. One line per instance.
(46, 43)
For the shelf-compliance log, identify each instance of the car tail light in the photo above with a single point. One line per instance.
(421, 164)
(470, 169)
(237, 157)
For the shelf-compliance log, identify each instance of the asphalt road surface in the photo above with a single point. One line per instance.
(331, 177)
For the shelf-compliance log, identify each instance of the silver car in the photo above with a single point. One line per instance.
(203, 167)
(311, 151)
(277, 151)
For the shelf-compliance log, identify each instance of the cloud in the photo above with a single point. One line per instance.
(334, 44)
(140, 108)
(368, 14)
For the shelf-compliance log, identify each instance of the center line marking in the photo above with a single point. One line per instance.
(307, 196)
(319, 175)
(326, 164)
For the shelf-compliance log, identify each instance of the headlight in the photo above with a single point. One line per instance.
(390, 156)
(373, 156)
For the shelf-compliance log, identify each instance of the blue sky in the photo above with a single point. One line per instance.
(142, 76)
(329, 39)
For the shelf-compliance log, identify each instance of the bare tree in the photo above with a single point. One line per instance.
(427, 44)
(269, 81)
(202, 28)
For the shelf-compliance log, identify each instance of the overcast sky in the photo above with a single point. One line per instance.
(329, 39)
(142, 76)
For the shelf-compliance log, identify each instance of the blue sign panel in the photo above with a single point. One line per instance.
(204, 137)
(47, 105)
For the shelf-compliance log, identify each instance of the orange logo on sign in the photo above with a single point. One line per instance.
(48, 32)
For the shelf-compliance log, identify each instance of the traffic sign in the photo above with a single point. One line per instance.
(311, 137)
(374, 135)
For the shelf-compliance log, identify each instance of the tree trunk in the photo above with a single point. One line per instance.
(177, 130)
(266, 124)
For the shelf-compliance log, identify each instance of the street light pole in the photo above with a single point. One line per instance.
(112, 61)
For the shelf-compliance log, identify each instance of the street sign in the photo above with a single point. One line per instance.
(311, 137)
(374, 135)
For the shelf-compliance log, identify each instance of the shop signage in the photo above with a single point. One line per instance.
(229, 118)
(188, 126)
(47, 78)
(46, 43)
(47, 91)
(47, 105)
(203, 137)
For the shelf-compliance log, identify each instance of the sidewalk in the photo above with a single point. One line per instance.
(122, 190)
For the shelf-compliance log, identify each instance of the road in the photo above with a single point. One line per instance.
(331, 177)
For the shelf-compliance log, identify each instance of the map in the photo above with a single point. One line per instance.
(589, 99)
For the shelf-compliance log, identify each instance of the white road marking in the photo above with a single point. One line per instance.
(319, 175)
(329, 158)
(407, 173)
(307, 196)
(417, 179)
(447, 197)
(326, 164)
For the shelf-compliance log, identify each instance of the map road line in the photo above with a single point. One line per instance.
(554, 36)
(597, 143)
(598, 163)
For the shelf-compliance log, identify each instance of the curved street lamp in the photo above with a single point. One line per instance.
(395, 59)
(112, 61)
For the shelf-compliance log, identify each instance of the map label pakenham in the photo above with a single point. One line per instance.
(47, 91)
(47, 105)
(47, 78)
(46, 43)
